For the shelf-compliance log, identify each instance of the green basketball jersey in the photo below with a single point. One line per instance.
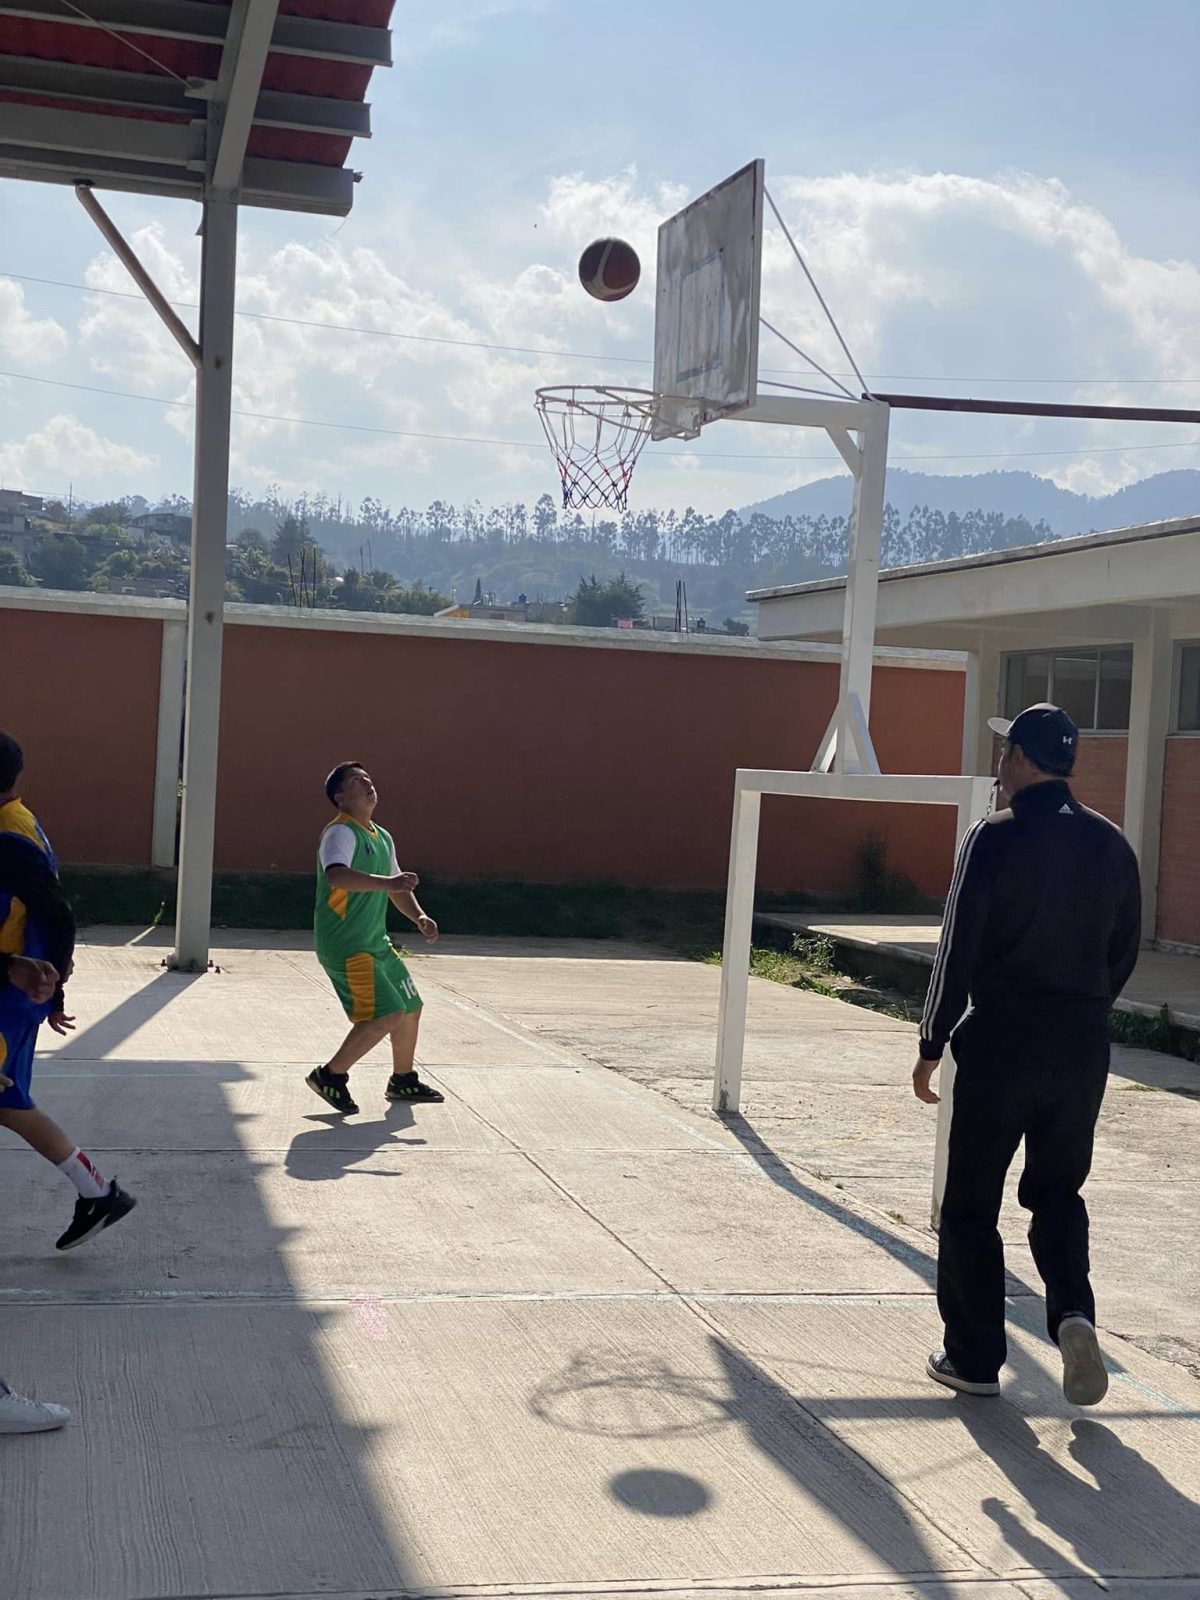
(348, 922)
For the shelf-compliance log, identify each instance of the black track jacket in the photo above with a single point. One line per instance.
(1044, 908)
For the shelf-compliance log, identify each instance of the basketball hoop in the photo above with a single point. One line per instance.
(596, 434)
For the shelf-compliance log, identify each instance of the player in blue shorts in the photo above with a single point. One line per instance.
(36, 921)
(37, 980)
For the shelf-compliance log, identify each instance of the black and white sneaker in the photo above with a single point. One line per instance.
(333, 1087)
(941, 1369)
(93, 1216)
(408, 1086)
(1085, 1381)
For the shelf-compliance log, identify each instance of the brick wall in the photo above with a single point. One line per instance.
(80, 694)
(1179, 858)
(1099, 779)
(551, 762)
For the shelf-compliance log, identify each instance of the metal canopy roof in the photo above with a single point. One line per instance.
(163, 96)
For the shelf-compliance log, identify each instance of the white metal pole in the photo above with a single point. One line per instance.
(214, 390)
(862, 580)
(972, 715)
(975, 804)
(170, 727)
(735, 960)
(1149, 724)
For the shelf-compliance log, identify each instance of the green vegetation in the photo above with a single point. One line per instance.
(1161, 1033)
(603, 605)
(810, 961)
(317, 552)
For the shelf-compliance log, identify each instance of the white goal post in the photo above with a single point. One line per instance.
(970, 796)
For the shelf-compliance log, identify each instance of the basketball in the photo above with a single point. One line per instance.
(609, 269)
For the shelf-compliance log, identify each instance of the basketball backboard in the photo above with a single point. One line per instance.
(706, 315)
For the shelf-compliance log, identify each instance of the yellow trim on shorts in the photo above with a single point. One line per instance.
(360, 977)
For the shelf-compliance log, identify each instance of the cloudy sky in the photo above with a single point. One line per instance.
(998, 199)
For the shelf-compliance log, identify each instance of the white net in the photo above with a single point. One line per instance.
(596, 434)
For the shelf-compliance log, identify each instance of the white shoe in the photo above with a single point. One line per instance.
(1085, 1382)
(19, 1415)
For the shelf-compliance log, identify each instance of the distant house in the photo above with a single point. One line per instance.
(17, 532)
(167, 525)
(18, 500)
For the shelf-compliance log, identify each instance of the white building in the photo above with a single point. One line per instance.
(1106, 625)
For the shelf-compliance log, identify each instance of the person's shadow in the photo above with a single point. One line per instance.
(333, 1145)
(1128, 1520)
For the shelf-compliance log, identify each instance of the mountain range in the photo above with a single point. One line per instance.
(1015, 494)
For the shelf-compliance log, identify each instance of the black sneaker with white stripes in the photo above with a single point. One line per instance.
(93, 1216)
(941, 1369)
(408, 1086)
(334, 1088)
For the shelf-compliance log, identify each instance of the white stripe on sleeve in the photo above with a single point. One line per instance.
(937, 983)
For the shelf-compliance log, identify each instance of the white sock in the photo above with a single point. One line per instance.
(83, 1175)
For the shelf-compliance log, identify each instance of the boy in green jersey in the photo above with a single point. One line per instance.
(357, 874)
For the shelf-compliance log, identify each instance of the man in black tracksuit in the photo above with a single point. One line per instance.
(1042, 928)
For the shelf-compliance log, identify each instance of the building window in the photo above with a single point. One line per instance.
(1091, 686)
(1189, 689)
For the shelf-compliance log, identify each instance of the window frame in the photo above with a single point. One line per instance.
(1177, 730)
(1079, 653)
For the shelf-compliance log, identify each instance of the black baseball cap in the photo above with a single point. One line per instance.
(1046, 734)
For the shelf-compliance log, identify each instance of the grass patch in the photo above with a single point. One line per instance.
(810, 961)
(1160, 1032)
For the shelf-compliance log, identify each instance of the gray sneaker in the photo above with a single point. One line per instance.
(19, 1415)
(1085, 1382)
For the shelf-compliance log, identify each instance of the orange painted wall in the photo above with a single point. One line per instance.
(80, 694)
(1179, 851)
(544, 763)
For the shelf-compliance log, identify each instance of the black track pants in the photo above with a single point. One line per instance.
(1037, 1073)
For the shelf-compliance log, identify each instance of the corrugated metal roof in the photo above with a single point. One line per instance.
(118, 93)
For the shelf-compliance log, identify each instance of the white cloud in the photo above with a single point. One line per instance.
(33, 341)
(121, 333)
(944, 275)
(62, 450)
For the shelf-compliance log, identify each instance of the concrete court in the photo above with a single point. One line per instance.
(567, 1333)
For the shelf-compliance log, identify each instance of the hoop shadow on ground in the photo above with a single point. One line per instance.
(1123, 1518)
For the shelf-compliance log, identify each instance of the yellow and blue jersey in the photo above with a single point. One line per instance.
(23, 932)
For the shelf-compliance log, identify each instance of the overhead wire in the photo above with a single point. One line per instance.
(540, 444)
(533, 350)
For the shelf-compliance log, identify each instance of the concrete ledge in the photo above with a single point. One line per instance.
(239, 614)
(892, 951)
